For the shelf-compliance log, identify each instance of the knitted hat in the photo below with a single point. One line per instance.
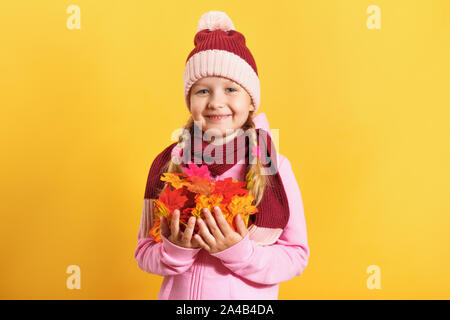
(220, 50)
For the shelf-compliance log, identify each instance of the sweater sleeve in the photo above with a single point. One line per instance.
(161, 258)
(278, 262)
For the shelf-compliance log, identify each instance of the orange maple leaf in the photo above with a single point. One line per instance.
(155, 231)
(200, 185)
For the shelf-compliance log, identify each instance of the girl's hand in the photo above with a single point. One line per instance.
(215, 237)
(182, 239)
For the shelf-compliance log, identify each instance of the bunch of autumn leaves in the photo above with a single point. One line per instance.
(194, 190)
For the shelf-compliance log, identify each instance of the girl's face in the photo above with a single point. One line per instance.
(212, 96)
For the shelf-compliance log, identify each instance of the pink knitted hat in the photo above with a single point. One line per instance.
(220, 50)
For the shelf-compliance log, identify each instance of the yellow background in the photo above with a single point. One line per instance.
(363, 118)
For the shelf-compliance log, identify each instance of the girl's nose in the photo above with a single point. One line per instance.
(216, 105)
(217, 100)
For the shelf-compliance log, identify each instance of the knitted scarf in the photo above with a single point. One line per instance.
(273, 209)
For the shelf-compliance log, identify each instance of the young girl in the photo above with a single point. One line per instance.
(222, 93)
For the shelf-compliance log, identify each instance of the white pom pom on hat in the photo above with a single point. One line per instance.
(215, 20)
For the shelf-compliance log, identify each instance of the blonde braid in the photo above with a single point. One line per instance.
(256, 182)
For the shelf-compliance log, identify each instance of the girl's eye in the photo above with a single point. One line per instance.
(200, 91)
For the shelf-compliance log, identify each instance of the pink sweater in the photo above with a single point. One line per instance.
(244, 271)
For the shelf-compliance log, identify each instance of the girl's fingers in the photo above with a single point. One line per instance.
(222, 223)
(164, 227)
(240, 225)
(175, 224)
(212, 225)
(187, 234)
(201, 243)
(204, 232)
(195, 243)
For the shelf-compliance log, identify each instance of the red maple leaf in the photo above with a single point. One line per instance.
(173, 199)
(190, 203)
(228, 189)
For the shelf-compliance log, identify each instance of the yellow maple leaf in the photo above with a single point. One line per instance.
(174, 179)
(203, 201)
(160, 209)
(242, 205)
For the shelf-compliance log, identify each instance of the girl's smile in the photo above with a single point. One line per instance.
(218, 118)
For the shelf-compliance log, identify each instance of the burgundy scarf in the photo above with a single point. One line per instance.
(273, 209)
